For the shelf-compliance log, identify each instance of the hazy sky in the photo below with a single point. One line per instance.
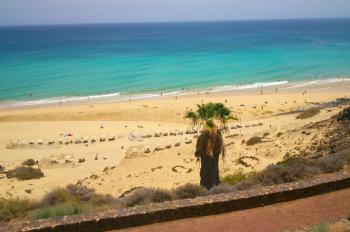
(17, 12)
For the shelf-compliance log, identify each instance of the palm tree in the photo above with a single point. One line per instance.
(210, 142)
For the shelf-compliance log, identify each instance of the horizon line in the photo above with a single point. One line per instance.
(171, 22)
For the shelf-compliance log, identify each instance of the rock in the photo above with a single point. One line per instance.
(68, 161)
(66, 142)
(147, 150)
(39, 142)
(157, 135)
(68, 157)
(165, 134)
(168, 146)
(140, 126)
(60, 141)
(31, 142)
(28, 191)
(85, 140)
(50, 142)
(93, 140)
(78, 141)
(104, 157)
(53, 160)
(93, 177)
(96, 157)
(147, 136)
(173, 133)
(177, 144)
(81, 160)
(102, 138)
(188, 141)
(158, 147)
(106, 169)
(111, 138)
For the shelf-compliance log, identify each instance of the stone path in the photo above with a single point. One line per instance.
(278, 217)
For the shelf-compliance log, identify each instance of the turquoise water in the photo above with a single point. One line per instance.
(44, 62)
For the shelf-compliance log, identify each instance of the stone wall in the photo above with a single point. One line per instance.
(166, 211)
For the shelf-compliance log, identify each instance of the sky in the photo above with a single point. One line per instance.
(34, 12)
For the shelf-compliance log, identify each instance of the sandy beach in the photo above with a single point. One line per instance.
(115, 146)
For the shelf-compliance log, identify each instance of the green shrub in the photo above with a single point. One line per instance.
(309, 113)
(234, 178)
(13, 208)
(25, 173)
(61, 209)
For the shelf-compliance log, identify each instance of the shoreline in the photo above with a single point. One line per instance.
(221, 89)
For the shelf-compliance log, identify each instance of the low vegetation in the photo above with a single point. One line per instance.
(235, 177)
(25, 173)
(309, 113)
(75, 199)
(13, 208)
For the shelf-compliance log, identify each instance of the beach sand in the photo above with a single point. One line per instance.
(121, 164)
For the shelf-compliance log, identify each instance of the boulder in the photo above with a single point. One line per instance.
(102, 138)
(168, 146)
(85, 140)
(111, 138)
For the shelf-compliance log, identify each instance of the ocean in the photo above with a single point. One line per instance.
(39, 64)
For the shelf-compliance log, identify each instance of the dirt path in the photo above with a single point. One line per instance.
(278, 217)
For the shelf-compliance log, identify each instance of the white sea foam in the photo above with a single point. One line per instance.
(124, 97)
(50, 101)
(248, 86)
(318, 82)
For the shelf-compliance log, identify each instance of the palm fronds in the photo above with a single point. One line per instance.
(207, 114)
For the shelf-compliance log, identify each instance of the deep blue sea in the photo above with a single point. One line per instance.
(52, 62)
